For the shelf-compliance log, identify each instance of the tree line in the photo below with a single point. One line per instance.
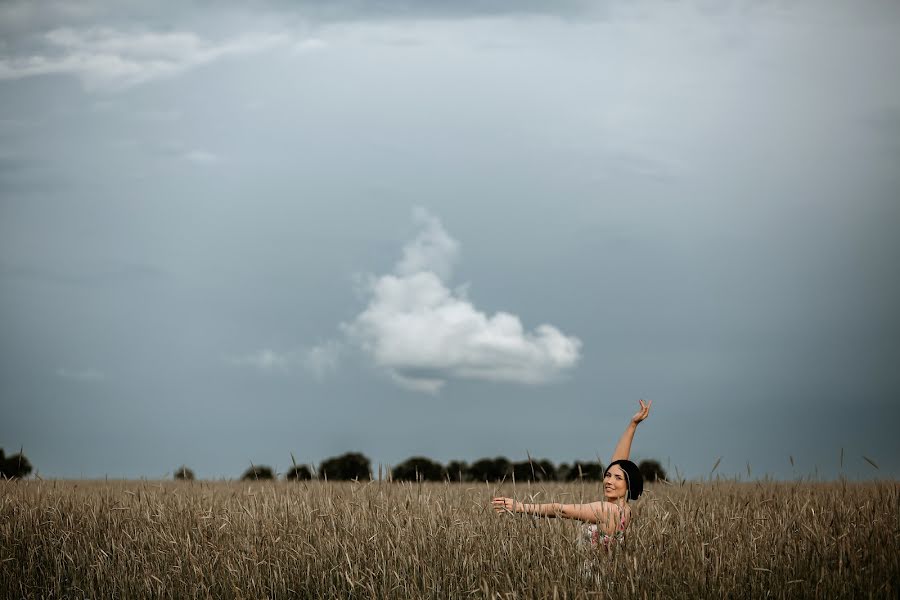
(356, 466)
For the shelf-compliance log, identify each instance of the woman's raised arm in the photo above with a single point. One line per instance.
(623, 448)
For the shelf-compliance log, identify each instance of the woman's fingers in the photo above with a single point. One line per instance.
(503, 504)
(645, 406)
(643, 411)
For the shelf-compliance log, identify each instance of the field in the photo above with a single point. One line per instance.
(391, 540)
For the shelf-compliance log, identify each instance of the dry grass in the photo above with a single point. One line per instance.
(223, 540)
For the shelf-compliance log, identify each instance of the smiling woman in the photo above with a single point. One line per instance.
(605, 521)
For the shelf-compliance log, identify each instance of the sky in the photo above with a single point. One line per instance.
(233, 232)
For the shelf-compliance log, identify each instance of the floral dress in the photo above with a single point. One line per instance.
(592, 536)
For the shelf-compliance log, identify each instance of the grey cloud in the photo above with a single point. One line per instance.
(107, 58)
(118, 45)
(20, 16)
(439, 9)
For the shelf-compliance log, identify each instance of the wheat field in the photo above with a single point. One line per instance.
(77, 539)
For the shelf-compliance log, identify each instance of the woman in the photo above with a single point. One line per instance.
(605, 521)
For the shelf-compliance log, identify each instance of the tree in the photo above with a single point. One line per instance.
(652, 470)
(418, 468)
(490, 469)
(184, 474)
(299, 473)
(14, 467)
(534, 470)
(258, 472)
(346, 467)
(456, 470)
(585, 471)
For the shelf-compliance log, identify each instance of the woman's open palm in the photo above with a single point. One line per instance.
(643, 412)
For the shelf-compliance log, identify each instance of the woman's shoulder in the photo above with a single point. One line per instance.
(615, 508)
(612, 507)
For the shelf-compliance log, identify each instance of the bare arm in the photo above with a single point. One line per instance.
(595, 512)
(623, 448)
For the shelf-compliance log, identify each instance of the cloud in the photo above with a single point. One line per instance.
(422, 333)
(342, 10)
(320, 360)
(20, 17)
(83, 375)
(433, 250)
(105, 58)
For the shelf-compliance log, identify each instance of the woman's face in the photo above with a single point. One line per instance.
(615, 486)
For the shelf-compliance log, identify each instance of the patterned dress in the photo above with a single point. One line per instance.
(593, 537)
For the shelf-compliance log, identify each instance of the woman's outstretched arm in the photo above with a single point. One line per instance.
(595, 512)
(623, 448)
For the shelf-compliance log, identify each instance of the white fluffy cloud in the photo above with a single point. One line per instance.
(422, 333)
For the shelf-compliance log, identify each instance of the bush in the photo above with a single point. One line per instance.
(14, 467)
(418, 468)
(347, 467)
(299, 473)
(652, 470)
(184, 474)
(257, 472)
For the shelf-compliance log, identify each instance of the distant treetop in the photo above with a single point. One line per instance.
(15, 466)
(184, 474)
(346, 467)
(257, 472)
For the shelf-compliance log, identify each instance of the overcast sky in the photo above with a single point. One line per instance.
(451, 229)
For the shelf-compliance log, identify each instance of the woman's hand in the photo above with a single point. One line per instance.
(508, 505)
(642, 413)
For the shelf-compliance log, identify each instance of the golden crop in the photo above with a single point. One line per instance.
(391, 540)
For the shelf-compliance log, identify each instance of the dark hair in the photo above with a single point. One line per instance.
(633, 477)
